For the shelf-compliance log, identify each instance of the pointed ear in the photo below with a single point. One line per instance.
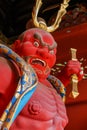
(16, 46)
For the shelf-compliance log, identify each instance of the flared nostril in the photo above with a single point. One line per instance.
(43, 53)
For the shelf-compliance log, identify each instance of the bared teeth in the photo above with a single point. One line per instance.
(38, 61)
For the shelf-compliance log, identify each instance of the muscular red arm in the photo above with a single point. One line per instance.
(8, 82)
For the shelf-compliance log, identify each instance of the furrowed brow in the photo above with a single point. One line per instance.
(38, 37)
(50, 47)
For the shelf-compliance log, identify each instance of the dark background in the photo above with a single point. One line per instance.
(14, 14)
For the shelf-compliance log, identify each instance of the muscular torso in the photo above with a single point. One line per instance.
(44, 111)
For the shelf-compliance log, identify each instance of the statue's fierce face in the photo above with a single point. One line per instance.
(38, 48)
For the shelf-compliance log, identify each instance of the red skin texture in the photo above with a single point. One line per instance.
(45, 110)
(8, 82)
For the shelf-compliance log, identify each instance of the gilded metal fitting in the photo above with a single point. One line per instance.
(58, 19)
(74, 79)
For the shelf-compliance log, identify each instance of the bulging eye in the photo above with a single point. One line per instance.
(36, 44)
(51, 52)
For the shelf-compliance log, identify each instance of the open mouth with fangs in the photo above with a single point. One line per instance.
(37, 61)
